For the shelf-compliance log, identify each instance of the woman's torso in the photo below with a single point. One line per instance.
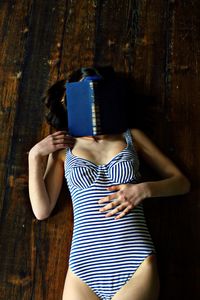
(88, 181)
(95, 236)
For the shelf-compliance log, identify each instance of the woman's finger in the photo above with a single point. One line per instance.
(113, 188)
(60, 141)
(116, 210)
(107, 198)
(59, 132)
(110, 205)
(125, 211)
(62, 136)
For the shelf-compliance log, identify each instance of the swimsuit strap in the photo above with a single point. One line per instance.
(129, 138)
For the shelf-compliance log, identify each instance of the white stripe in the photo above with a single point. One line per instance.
(105, 252)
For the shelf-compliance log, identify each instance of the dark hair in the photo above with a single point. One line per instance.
(54, 97)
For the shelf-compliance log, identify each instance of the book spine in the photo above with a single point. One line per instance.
(95, 111)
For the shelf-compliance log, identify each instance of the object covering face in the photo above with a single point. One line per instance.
(94, 107)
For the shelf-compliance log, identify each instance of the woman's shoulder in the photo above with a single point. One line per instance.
(136, 132)
(60, 155)
(137, 136)
(142, 141)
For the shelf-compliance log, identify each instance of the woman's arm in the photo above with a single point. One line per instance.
(44, 189)
(46, 169)
(173, 182)
(127, 196)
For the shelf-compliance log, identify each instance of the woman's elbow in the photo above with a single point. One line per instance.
(40, 216)
(185, 184)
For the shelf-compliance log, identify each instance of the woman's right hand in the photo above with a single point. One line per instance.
(53, 142)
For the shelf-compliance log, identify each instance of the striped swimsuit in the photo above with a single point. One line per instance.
(105, 252)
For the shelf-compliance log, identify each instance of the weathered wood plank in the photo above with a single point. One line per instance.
(157, 44)
(183, 106)
(11, 62)
(149, 47)
(78, 36)
(29, 246)
(40, 272)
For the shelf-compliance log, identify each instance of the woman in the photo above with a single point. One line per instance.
(112, 254)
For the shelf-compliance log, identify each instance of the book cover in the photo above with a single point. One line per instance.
(93, 107)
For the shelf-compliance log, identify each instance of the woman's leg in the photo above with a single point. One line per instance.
(144, 284)
(76, 289)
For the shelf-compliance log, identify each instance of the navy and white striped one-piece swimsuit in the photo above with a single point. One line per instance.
(105, 252)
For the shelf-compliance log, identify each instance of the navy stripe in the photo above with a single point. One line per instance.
(105, 252)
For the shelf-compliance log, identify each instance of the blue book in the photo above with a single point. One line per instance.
(93, 107)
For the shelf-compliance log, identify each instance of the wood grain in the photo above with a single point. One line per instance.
(155, 44)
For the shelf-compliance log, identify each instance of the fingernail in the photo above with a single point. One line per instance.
(107, 216)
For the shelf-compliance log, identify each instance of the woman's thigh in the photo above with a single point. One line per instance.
(144, 284)
(76, 289)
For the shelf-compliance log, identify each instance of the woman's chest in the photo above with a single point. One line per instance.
(83, 173)
(99, 154)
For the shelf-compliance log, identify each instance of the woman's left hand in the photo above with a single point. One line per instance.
(126, 198)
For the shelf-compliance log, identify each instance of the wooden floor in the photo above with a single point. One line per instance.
(155, 42)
